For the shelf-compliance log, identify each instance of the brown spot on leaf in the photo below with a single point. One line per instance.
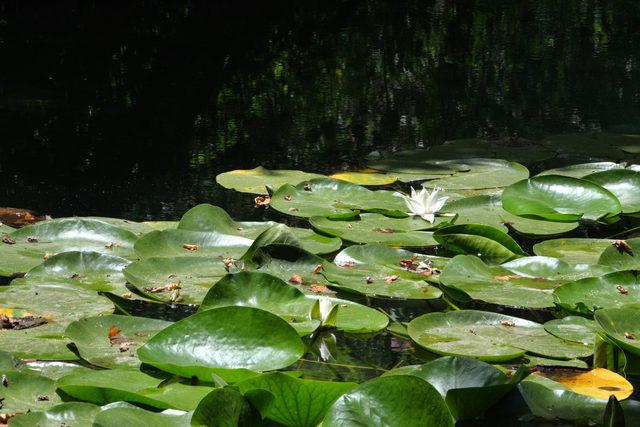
(262, 200)
(509, 323)
(385, 230)
(320, 289)
(190, 247)
(507, 277)
(390, 279)
(25, 322)
(629, 336)
(318, 269)
(622, 290)
(287, 197)
(8, 240)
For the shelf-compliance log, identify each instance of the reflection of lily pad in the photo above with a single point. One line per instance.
(559, 198)
(489, 336)
(256, 180)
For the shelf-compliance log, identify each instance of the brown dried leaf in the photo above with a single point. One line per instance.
(318, 269)
(623, 246)
(307, 186)
(368, 279)
(127, 295)
(384, 230)
(292, 209)
(296, 278)
(190, 247)
(287, 197)
(166, 288)
(320, 289)
(17, 323)
(8, 240)
(629, 336)
(507, 277)
(262, 200)
(390, 279)
(509, 323)
(114, 331)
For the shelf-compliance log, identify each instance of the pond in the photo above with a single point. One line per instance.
(139, 112)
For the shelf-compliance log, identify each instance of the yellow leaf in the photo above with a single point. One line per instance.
(365, 177)
(598, 383)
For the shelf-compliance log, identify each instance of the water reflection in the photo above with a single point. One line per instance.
(130, 111)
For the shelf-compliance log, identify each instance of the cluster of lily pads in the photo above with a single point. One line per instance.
(211, 321)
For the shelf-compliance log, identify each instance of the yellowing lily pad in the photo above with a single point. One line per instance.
(256, 180)
(365, 178)
(599, 383)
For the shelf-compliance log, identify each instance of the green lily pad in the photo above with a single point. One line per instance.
(489, 336)
(162, 225)
(137, 228)
(622, 256)
(34, 242)
(559, 198)
(229, 341)
(573, 328)
(490, 244)
(267, 292)
(622, 326)
(209, 218)
(92, 337)
(573, 250)
(551, 400)
(67, 413)
(376, 228)
(137, 417)
(384, 256)
(194, 275)
(264, 291)
(90, 270)
(175, 243)
(582, 169)
(488, 210)
(501, 285)
(225, 407)
(390, 401)
(51, 301)
(609, 291)
(293, 402)
(335, 199)
(26, 392)
(622, 183)
(468, 386)
(106, 386)
(484, 173)
(5, 229)
(256, 180)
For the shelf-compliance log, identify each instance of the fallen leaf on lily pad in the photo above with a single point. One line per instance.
(599, 383)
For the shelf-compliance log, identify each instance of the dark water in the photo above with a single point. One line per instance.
(130, 109)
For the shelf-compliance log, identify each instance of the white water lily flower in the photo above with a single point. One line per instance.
(325, 309)
(423, 204)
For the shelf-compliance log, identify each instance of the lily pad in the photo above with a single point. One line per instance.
(175, 243)
(111, 341)
(225, 407)
(573, 328)
(622, 183)
(35, 242)
(484, 173)
(335, 199)
(376, 228)
(559, 198)
(365, 178)
(193, 275)
(609, 291)
(26, 392)
(467, 274)
(573, 250)
(489, 336)
(295, 402)
(227, 341)
(51, 302)
(622, 254)
(490, 244)
(552, 400)
(390, 401)
(488, 210)
(468, 386)
(582, 169)
(209, 218)
(67, 413)
(113, 385)
(382, 255)
(137, 417)
(256, 180)
(622, 326)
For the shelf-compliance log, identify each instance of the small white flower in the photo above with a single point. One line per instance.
(325, 309)
(423, 204)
